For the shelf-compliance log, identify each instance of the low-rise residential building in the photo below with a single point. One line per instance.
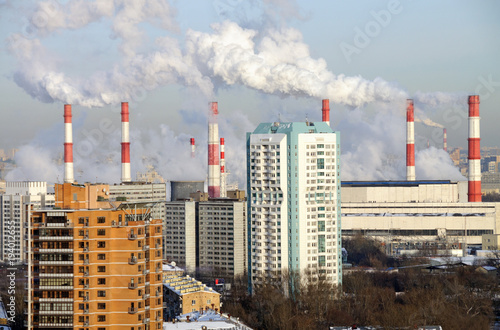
(183, 294)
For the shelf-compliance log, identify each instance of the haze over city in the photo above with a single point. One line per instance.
(262, 61)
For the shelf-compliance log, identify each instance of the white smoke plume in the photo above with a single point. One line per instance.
(274, 60)
(431, 163)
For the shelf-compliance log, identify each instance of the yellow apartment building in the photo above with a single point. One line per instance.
(94, 264)
(183, 294)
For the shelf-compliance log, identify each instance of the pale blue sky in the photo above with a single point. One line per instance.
(427, 46)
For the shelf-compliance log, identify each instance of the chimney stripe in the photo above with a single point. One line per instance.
(410, 141)
(474, 150)
(68, 145)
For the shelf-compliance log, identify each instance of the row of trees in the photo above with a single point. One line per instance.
(460, 298)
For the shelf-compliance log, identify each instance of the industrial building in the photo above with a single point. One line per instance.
(16, 205)
(417, 216)
(93, 264)
(293, 179)
(433, 217)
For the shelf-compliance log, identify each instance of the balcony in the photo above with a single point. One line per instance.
(145, 247)
(145, 321)
(85, 311)
(145, 296)
(132, 260)
(86, 249)
(85, 286)
(145, 271)
(86, 262)
(86, 323)
(86, 274)
(132, 237)
(132, 286)
(114, 223)
(86, 237)
(132, 310)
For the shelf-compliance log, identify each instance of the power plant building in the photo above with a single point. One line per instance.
(293, 180)
(408, 217)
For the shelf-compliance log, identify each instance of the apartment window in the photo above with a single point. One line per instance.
(81, 318)
(101, 281)
(80, 306)
(101, 318)
(80, 233)
(101, 256)
(101, 219)
(81, 220)
(209, 301)
(101, 293)
(101, 232)
(101, 244)
(193, 302)
(101, 269)
(101, 306)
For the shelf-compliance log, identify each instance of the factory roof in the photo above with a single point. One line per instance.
(392, 183)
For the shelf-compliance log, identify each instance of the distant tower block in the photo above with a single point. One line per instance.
(222, 169)
(410, 141)
(474, 150)
(125, 144)
(68, 145)
(445, 140)
(213, 152)
(193, 148)
(326, 111)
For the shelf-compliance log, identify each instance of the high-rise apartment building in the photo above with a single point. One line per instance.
(94, 263)
(20, 198)
(293, 180)
(207, 236)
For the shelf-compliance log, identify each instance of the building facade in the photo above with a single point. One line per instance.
(16, 205)
(183, 294)
(94, 267)
(420, 216)
(293, 179)
(207, 236)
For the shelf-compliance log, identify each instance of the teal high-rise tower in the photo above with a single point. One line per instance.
(293, 182)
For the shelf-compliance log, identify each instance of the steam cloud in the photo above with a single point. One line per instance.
(274, 60)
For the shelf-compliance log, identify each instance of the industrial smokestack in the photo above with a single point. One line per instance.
(474, 150)
(445, 140)
(326, 111)
(410, 141)
(193, 148)
(68, 145)
(222, 169)
(213, 152)
(125, 144)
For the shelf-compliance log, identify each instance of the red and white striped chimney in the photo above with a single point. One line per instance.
(68, 145)
(125, 144)
(445, 140)
(474, 150)
(213, 152)
(193, 148)
(222, 169)
(410, 141)
(326, 111)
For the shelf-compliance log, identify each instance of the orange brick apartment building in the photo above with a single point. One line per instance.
(94, 264)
